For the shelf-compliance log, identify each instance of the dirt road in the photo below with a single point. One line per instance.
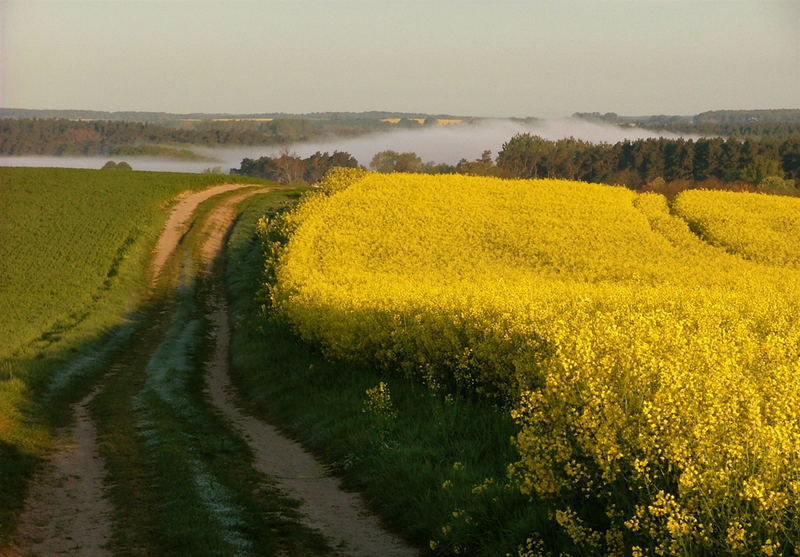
(67, 511)
(342, 517)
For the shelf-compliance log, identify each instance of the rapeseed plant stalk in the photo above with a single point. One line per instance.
(379, 403)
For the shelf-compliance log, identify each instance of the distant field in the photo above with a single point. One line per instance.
(157, 151)
(67, 237)
(651, 362)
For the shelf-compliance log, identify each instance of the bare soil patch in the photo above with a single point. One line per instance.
(219, 224)
(66, 512)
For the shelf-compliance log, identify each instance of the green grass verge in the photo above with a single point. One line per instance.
(433, 466)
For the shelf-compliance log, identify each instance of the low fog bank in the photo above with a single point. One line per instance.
(443, 144)
(97, 162)
(451, 144)
(447, 144)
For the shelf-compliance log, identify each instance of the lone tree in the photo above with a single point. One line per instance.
(392, 161)
(121, 165)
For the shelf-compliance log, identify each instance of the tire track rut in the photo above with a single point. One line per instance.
(66, 512)
(340, 516)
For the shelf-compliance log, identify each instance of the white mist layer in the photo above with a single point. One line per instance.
(447, 144)
(97, 162)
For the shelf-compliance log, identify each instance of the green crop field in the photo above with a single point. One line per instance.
(70, 239)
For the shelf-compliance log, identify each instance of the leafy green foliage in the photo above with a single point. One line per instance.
(288, 168)
(392, 161)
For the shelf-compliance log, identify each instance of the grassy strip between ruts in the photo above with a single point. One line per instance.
(182, 482)
(434, 467)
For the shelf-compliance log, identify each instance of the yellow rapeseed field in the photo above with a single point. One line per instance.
(756, 226)
(654, 375)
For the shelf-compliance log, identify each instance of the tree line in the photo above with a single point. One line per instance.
(729, 129)
(660, 164)
(32, 136)
(725, 123)
(656, 163)
(288, 168)
(640, 162)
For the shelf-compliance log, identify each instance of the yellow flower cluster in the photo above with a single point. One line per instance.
(379, 402)
(654, 375)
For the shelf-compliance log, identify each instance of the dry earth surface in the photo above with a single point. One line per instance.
(179, 221)
(66, 512)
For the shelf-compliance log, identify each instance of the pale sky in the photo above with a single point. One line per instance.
(465, 57)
